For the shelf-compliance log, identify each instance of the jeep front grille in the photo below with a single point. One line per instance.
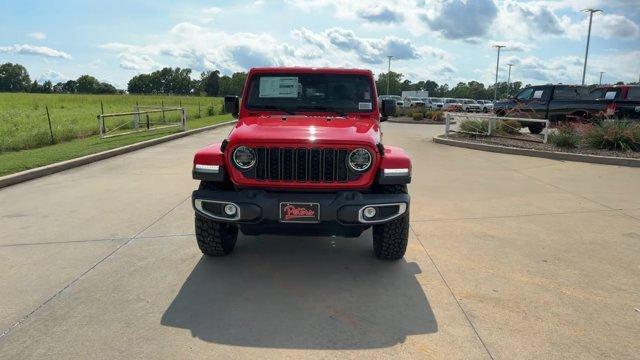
(301, 165)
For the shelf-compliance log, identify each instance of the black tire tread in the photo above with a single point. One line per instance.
(390, 239)
(214, 238)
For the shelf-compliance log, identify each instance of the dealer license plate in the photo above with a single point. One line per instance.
(299, 212)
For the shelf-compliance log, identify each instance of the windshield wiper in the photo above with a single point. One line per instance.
(322, 108)
(279, 108)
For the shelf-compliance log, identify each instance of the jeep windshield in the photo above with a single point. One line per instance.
(292, 93)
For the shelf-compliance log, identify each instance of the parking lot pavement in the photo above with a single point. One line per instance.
(509, 257)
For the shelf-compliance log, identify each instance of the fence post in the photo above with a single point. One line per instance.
(101, 125)
(546, 131)
(184, 119)
(50, 129)
(163, 119)
(490, 125)
(447, 125)
(199, 114)
(148, 123)
(102, 129)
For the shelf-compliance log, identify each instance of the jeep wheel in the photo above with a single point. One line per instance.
(214, 238)
(390, 239)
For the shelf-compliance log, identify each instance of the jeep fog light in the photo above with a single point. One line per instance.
(230, 209)
(244, 157)
(359, 159)
(369, 212)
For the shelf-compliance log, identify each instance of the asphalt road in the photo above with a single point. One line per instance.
(509, 257)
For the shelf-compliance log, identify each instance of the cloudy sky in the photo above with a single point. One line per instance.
(442, 40)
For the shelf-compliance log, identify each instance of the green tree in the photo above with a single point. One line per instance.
(14, 78)
(395, 85)
(70, 87)
(87, 84)
(47, 87)
(210, 82)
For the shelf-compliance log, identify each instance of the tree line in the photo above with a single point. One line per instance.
(170, 81)
(15, 78)
(178, 81)
(469, 90)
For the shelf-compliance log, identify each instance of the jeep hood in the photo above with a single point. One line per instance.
(306, 130)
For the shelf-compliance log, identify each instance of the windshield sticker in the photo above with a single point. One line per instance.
(278, 87)
(364, 106)
(610, 95)
(538, 94)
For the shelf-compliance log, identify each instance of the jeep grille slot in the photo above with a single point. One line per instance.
(326, 165)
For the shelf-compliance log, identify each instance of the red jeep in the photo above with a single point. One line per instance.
(305, 158)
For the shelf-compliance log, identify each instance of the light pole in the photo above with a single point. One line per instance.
(586, 53)
(601, 72)
(509, 80)
(495, 89)
(389, 73)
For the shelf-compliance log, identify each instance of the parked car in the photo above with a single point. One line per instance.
(436, 103)
(452, 105)
(469, 105)
(553, 102)
(397, 98)
(411, 101)
(486, 105)
(305, 159)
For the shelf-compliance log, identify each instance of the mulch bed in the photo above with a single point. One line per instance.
(523, 144)
(408, 120)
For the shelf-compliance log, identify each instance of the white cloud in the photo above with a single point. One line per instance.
(53, 76)
(208, 14)
(381, 14)
(448, 21)
(189, 45)
(34, 50)
(37, 35)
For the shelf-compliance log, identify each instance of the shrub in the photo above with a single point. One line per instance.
(509, 126)
(211, 111)
(475, 126)
(614, 135)
(566, 136)
(418, 115)
(434, 115)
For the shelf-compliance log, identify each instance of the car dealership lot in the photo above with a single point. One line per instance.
(509, 257)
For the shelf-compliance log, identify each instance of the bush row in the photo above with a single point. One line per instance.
(502, 127)
(421, 114)
(609, 135)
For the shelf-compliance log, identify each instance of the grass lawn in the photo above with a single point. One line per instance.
(15, 161)
(24, 124)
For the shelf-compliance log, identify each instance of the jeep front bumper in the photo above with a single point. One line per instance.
(258, 211)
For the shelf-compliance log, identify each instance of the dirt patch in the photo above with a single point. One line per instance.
(523, 144)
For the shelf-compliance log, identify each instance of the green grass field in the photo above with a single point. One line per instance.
(24, 125)
(25, 140)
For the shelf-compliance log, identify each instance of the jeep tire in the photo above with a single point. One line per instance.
(390, 239)
(214, 238)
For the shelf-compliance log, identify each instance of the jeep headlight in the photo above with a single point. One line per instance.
(359, 159)
(244, 157)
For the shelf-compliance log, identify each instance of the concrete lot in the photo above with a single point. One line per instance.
(509, 257)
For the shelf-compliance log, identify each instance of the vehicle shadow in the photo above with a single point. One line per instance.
(302, 293)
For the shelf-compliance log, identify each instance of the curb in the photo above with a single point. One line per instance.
(39, 172)
(593, 159)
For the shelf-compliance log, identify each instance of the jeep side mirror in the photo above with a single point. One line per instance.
(388, 109)
(232, 105)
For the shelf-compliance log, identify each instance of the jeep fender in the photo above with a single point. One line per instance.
(395, 167)
(208, 164)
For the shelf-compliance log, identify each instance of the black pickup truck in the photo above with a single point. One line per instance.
(559, 103)
(623, 101)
